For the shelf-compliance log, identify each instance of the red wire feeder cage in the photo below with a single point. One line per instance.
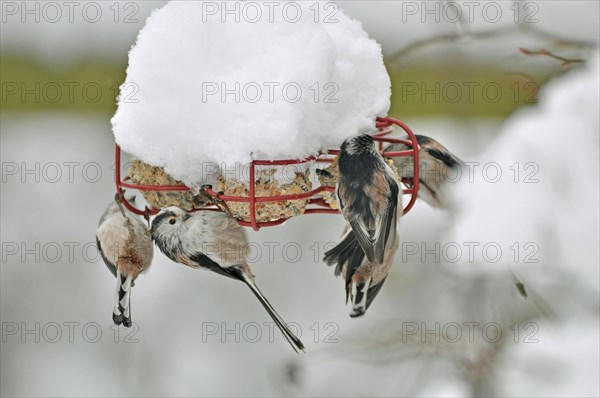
(319, 206)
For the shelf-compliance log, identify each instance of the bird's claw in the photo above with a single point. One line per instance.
(216, 201)
(146, 217)
(119, 196)
(222, 205)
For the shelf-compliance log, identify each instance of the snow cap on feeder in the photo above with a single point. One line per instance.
(205, 89)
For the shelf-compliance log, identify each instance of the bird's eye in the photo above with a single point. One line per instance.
(172, 221)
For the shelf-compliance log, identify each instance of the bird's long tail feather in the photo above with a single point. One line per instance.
(122, 307)
(362, 295)
(287, 333)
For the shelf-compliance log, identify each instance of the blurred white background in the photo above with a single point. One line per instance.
(195, 332)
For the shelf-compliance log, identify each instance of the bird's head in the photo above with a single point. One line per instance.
(358, 144)
(437, 166)
(167, 223)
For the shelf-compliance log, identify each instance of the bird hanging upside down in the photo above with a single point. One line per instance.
(369, 197)
(124, 241)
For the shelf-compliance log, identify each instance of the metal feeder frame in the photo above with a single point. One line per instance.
(385, 126)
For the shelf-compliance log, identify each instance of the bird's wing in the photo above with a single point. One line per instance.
(354, 260)
(204, 261)
(359, 203)
(386, 231)
(220, 238)
(445, 157)
(339, 253)
(340, 201)
(111, 267)
(364, 238)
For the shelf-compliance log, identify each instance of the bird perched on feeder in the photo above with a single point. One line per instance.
(435, 164)
(368, 195)
(216, 242)
(124, 241)
(363, 279)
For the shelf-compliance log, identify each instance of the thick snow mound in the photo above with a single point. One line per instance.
(226, 82)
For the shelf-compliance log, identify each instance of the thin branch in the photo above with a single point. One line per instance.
(505, 30)
(565, 62)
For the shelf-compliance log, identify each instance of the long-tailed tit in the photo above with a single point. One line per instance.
(435, 164)
(124, 241)
(363, 279)
(368, 195)
(214, 241)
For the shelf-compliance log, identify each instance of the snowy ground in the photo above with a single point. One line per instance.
(186, 342)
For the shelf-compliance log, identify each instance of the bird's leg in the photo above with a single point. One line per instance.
(147, 215)
(216, 201)
(119, 199)
(205, 186)
(222, 205)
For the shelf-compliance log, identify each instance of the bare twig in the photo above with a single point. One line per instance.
(566, 62)
(498, 32)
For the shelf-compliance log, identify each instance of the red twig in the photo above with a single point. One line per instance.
(565, 62)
